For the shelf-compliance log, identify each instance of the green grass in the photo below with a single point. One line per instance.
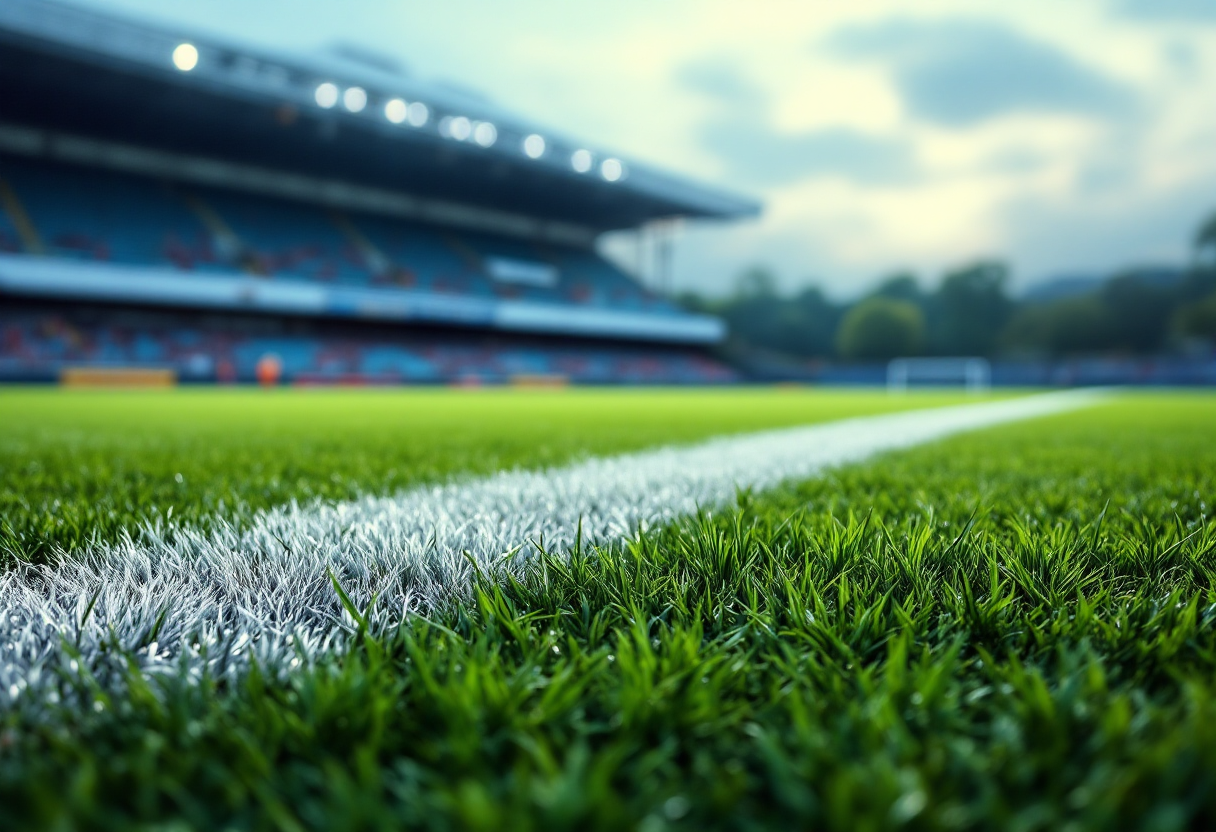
(1011, 629)
(75, 465)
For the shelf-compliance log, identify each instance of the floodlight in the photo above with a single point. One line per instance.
(395, 110)
(326, 95)
(460, 128)
(485, 133)
(355, 99)
(581, 161)
(534, 146)
(612, 169)
(185, 57)
(417, 114)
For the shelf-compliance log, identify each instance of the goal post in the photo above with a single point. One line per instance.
(975, 374)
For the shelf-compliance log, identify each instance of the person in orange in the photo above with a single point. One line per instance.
(269, 370)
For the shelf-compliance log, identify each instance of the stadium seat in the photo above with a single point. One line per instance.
(92, 214)
(284, 239)
(39, 344)
(419, 256)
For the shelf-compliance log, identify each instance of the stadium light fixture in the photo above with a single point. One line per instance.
(460, 128)
(355, 99)
(326, 95)
(417, 114)
(534, 146)
(485, 133)
(580, 160)
(185, 56)
(396, 110)
(612, 170)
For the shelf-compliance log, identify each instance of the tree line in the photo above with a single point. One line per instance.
(972, 312)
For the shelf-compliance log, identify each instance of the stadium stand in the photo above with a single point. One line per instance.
(40, 344)
(95, 215)
(10, 241)
(85, 214)
(234, 214)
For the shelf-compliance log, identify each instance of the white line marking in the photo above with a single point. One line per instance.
(213, 598)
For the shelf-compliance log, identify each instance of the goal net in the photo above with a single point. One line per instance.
(973, 373)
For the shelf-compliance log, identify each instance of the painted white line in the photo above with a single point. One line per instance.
(213, 598)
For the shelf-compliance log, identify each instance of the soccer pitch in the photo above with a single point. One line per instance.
(1004, 620)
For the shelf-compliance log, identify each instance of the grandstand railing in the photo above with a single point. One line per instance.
(70, 279)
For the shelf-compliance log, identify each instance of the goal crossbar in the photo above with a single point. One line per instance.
(972, 372)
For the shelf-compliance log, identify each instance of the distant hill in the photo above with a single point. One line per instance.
(1058, 288)
(1160, 276)
(1070, 286)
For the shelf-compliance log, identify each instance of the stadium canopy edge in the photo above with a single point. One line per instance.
(74, 71)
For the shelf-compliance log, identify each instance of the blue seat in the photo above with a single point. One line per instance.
(290, 239)
(104, 215)
(421, 258)
(98, 215)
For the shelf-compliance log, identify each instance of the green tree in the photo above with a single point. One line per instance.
(695, 302)
(756, 282)
(753, 311)
(880, 328)
(1197, 320)
(1205, 239)
(755, 319)
(807, 327)
(969, 310)
(900, 286)
(1064, 327)
(802, 325)
(1141, 306)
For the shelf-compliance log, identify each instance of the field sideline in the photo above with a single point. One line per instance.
(1012, 627)
(77, 465)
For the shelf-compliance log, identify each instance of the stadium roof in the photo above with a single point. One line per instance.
(347, 117)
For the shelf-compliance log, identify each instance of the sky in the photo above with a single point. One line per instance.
(1065, 138)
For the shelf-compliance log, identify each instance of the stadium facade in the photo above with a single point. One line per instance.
(171, 204)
